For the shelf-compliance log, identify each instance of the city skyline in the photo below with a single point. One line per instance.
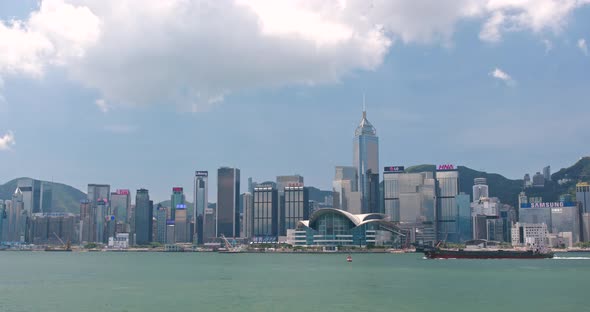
(509, 85)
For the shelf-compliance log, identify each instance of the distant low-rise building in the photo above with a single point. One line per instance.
(120, 241)
(529, 234)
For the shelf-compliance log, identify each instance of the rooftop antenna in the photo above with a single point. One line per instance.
(364, 107)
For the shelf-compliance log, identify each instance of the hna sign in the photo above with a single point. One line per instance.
(446, 167)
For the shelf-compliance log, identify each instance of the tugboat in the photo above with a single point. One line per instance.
(484, 253)
(65, 247)
(349, 258)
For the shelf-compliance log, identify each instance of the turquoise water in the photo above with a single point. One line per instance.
(66, 282)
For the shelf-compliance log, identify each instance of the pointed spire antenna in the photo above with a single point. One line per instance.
(364, 107)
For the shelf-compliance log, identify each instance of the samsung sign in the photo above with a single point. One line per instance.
(548, 205)
(394, 169)
(201, 173)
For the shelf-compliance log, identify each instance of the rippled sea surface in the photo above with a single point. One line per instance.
(64, 282)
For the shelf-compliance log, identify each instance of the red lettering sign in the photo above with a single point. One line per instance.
(446, 167)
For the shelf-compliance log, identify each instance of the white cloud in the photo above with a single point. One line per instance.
(502, 75)
(519, 15)
(192, 53)
(548, 45)
(102, 105)
(7, 141)
(582, 45)
(52, 35)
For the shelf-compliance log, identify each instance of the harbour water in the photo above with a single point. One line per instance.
(129, 282)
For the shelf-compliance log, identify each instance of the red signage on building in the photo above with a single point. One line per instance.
(122, 192)
(446, 167)
(177, 189)
(394, 169)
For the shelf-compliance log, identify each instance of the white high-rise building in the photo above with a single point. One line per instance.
(480, 189)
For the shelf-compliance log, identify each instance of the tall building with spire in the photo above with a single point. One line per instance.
(366, 160)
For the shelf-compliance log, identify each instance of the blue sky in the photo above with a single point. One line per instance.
(429, 92)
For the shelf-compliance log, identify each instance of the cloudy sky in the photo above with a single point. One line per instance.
(141, 93)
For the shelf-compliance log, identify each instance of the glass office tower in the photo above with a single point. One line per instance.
(201, 201)
(265, 211)
(296, 206)
(447, 210)
(365, 159)
(409, 201)
(228, 199)
(143, 217)
(177, 200)
(121, 205)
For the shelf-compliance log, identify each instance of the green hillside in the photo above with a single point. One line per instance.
(580, 171)
(65, 197)
(562, 182)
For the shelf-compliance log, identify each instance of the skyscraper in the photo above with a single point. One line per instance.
(265, 209)
(177, 200)
(46, 197)
(161, 218)
(121, 205)
(547, 173)
(345, 187)
(86, 222)
(447, 211)
(281, 184)
(228, 199)
(538, 180)
(98, 193)
(374, 193)
(246, 200)
(295, 207)
(181, 225)
(100, 221)
(583, 200)
(26, 189)
(464, 220)
(409, 200)
(201, 201)
(3, 218)
(143, 217)
(365, 159)
(583, 196)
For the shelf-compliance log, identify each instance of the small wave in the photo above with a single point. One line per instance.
(571, 258)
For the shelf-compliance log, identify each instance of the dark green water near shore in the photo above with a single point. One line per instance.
(146, 282)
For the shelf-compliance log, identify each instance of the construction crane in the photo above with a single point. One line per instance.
(67, 246)
(229, 247)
